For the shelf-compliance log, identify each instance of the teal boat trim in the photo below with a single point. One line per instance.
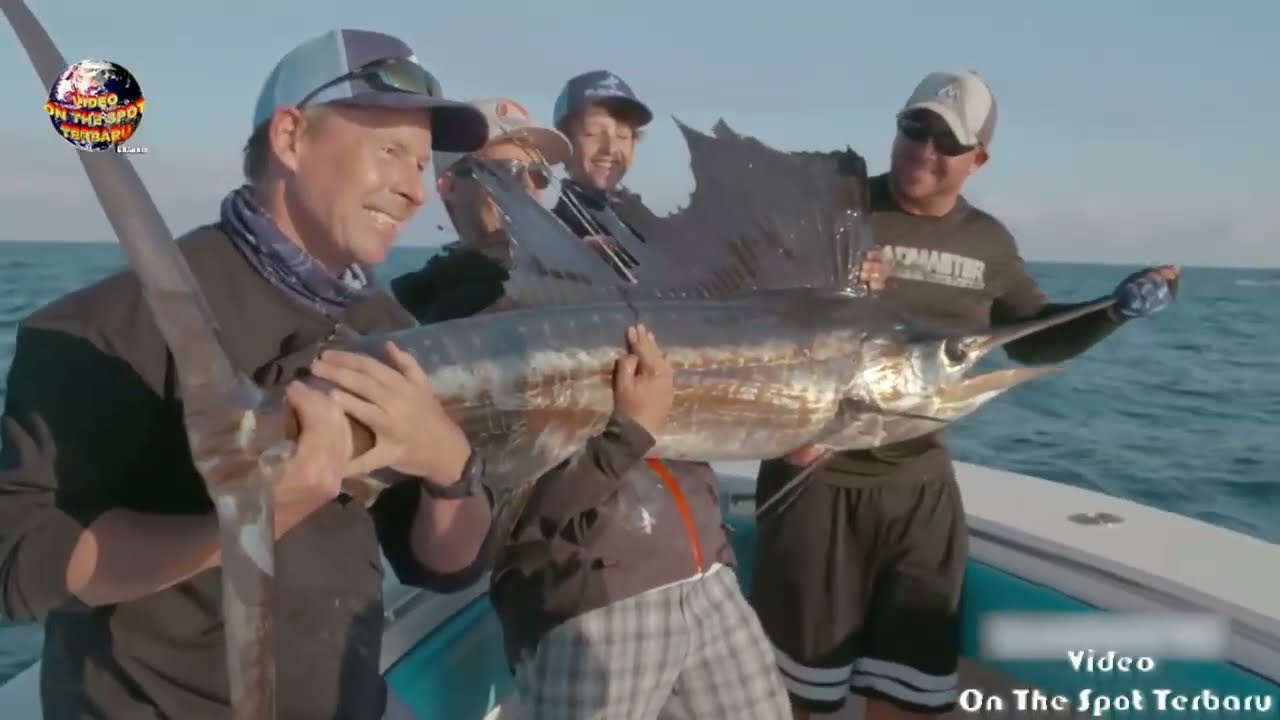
(459, 669)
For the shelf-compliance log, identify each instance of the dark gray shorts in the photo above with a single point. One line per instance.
(858, 589)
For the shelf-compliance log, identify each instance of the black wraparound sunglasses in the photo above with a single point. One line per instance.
(922, 126)
(388, 75)
(537, 172)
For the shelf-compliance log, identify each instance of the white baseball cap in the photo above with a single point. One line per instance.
(509, 120)
(963, 100)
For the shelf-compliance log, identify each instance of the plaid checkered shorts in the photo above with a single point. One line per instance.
(690, 650)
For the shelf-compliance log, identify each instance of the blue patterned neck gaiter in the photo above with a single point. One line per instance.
(283, 263)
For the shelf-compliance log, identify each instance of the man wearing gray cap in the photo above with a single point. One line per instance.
(580, 575)
(107, 534)
(523, 149)
(466, 277)
(859, 576)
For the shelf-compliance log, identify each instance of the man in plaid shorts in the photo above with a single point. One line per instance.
(616, 590)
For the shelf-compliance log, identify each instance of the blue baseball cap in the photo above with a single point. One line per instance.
(598, 86)
(372, 69)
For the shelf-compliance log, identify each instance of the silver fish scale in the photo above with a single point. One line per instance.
(761, 373)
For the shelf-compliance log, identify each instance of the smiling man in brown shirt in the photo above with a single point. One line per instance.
(859, 576)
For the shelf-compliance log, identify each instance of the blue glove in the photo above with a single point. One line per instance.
(1143, 293)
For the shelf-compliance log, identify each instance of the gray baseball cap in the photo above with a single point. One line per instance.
(361, 67)
(509, 120)
(963, 100)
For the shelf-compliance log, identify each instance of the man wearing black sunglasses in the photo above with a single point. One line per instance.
(621, 597)
(859, 577)
(465, 276)
(107, 532)
(579, 574)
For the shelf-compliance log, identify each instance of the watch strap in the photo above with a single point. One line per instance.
(467, 486)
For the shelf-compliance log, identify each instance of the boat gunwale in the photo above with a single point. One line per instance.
(1014, 544)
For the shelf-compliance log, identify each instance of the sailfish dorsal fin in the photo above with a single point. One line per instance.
(758, 218)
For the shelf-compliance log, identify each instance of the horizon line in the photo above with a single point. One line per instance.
(424, 246)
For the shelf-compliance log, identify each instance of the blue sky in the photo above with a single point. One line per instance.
(1131, 132)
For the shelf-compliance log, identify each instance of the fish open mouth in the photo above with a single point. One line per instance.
(981, 388)
(967, 393)
(958, 395)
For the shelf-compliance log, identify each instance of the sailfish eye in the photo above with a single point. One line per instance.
(954, 351)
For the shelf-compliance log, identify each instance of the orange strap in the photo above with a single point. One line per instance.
(682, 505)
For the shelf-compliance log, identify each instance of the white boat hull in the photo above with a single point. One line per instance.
(1036, 546)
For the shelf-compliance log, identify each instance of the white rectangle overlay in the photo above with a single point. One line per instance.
(1050, 636)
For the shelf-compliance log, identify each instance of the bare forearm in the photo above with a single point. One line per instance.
(126, 555)
(447, 535)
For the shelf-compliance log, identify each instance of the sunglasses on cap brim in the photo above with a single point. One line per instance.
(538, 173)
(922, 126)
(386, 75)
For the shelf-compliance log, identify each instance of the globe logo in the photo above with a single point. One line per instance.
(95, 105)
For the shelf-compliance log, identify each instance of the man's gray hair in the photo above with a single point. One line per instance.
(257, 149)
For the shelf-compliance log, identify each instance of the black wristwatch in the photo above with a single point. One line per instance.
(469, 485)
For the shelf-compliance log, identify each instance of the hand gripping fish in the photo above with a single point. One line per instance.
(750, 289)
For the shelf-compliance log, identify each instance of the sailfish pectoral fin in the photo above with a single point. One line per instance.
(790, 492)
(519, 446)
(840, 426)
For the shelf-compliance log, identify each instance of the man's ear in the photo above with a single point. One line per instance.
(981, 158)
(285, 133)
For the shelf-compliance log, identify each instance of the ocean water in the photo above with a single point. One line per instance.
(1171, 411)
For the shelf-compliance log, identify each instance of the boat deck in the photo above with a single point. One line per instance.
(1036, 547)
